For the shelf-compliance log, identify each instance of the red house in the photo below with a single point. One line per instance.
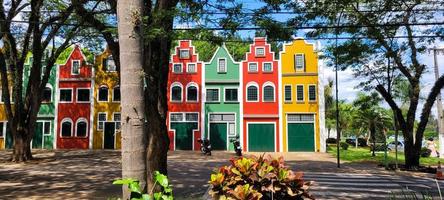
(184, 98)
(260, 99)
(74, 103)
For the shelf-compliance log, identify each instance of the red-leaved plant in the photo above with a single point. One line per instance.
(258, 178)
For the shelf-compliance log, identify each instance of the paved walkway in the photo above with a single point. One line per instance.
(88, 175)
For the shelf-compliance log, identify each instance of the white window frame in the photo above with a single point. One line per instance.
(257, 88)
(225, 94)
(114, 120)
(291, 95)
(77, 95)
(72, 95)
(257, 67)
(303, 62)
(171, 92)
(218, 67)
(228, 127)
(186, 92)
(107, 68)
(195, 67)
(303, 88)
(72, 66)
(5, 124)
(113, 94)
(255, 51)
(98, 120)
(180, 53)
(181, 68)
(47, 86)
(66, 119)
(263, 91)
(218, 94)
(44, 122)
(82, 119)
(185, 116)
(316, 93)
(174, 113)
(263, 67)
(107, 93)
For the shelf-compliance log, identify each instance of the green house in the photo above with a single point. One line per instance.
(222, 97)
(44, 131)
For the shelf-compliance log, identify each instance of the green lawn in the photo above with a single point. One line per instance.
(363, 154)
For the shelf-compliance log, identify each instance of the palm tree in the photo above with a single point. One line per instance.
(370, 115)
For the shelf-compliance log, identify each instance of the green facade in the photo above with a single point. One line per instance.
(44, 133)
(229, 79)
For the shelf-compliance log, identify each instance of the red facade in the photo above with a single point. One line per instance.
(260, 110)
(74, 112)
(190, 75)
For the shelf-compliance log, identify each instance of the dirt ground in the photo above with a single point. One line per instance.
(88, 174)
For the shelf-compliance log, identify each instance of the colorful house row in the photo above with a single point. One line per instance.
(80, 107)
(269, 105)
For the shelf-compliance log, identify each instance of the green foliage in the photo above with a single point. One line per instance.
(258, 178)
(238, 49)
(67, 52)
(137, 193)
(344, 145)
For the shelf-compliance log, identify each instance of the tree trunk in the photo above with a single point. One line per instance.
(21, 147)
(373, 136)
(132, 102)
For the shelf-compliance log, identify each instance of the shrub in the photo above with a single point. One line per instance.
(258, 178)
(379, 147)
(425, 152)
(136, 191)
(331, 141)
(344, 145)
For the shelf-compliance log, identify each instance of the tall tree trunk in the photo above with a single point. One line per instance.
(133, 114)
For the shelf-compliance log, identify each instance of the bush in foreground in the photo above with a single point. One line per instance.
(258, 178)
(344, 145)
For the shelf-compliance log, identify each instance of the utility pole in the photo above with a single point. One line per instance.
(440, 123)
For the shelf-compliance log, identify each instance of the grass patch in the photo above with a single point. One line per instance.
(363, 154)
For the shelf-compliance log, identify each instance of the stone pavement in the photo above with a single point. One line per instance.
(88, 175)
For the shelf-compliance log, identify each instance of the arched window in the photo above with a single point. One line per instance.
(116, 93)
(252, 92)
(47, 94)
(103, 93)
(66, 130)
(81, 128)
(268, 92)
(176, 92)
(192, 93)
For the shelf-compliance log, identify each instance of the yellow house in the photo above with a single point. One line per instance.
(301, 119)
(106, 119)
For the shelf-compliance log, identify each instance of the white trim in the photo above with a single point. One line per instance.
(66, 119)
(46, 86)
(225, 94)
(181, 68)
(259, 47)
(263, 68)
(181, 92)
(301, 122)
(72, 66)
(316, 93)
(303, 62)
(107, 93)
(218, 94)
(186, 92)
(184, 49)
(183, 121)
(98, 121)
(112, 94)
(82, 119)
(257, 67)
(252, 83)
(303, 92)
(195, 67)
(268, 83)
(56, 110)
(114, 120)
(227, 122)
(91, 109)
(72, 95)
(77, 95)
(264, 122)
(226, 65)
(5, 123)
(291, 95)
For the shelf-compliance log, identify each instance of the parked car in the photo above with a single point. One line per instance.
(392, 145)
(361, 142)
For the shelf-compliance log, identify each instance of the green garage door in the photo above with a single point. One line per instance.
(300, 136)
(261, 137)
(218, 136)
(184, 134)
